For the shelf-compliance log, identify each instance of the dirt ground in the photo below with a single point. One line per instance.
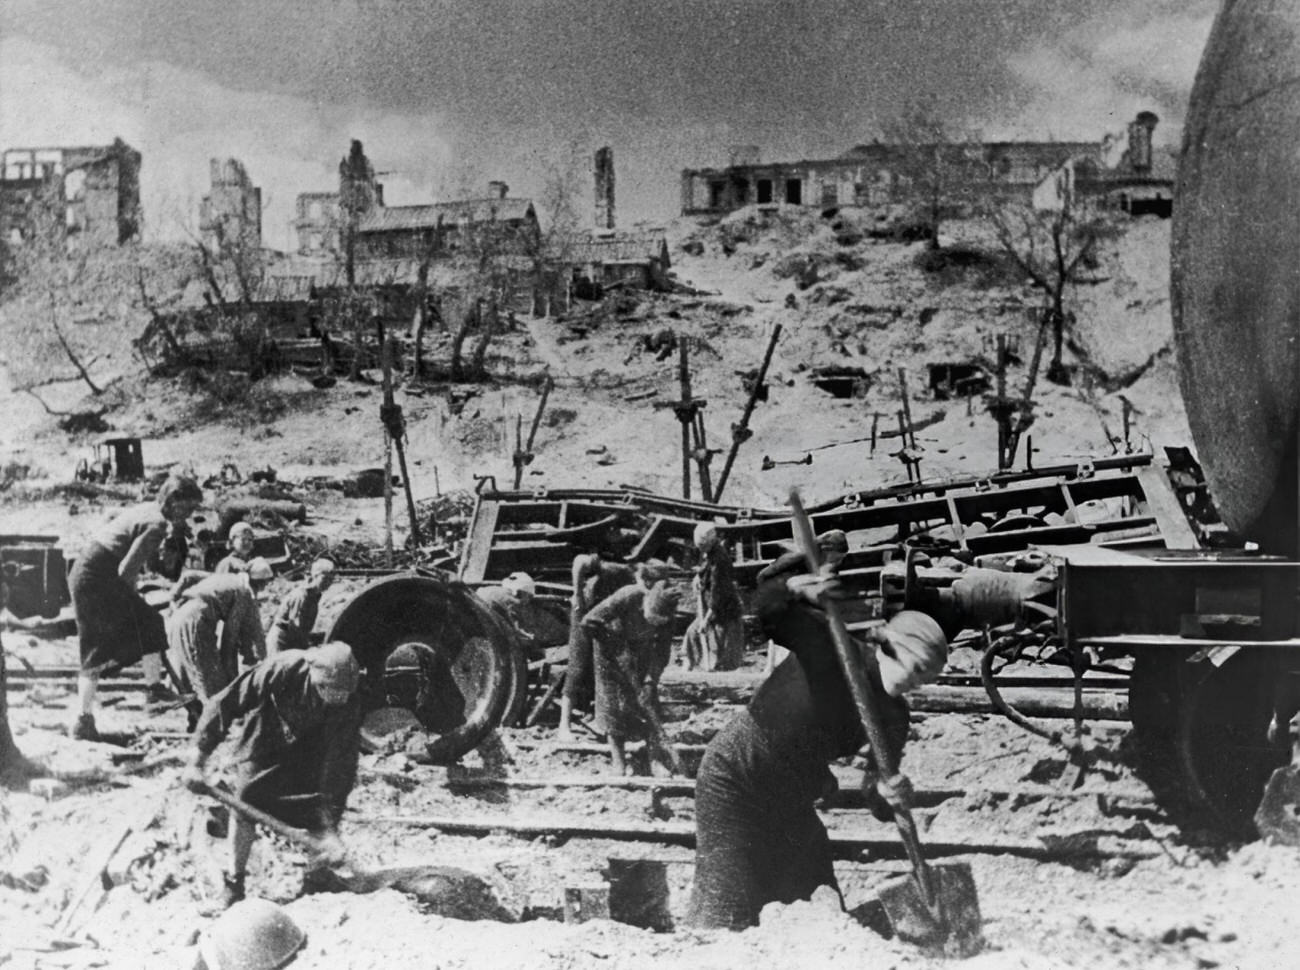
(1138, 892)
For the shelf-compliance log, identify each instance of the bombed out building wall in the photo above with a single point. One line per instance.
(230, 215)
(1118, 170)
(88, 195)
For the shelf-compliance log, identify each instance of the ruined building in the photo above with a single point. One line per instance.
(230, 217)
(497, 220)
(84, 195)
(604, 188)
(1128, 173)
(327, 221)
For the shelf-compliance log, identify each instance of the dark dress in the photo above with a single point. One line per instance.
(205, 662)
(758, 836)
(579, 675)
(297, 756)
(115, 626)
(626, 647)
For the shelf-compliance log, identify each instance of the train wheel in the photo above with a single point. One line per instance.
(1200, 735)
(1223, 751)
(466, 660)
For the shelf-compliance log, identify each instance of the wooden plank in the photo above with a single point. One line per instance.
(479, 547)
(1163, 502)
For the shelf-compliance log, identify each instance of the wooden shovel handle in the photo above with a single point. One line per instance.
(265, 819)
(856, 675)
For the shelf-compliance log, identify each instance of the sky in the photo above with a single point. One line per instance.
(447, 95)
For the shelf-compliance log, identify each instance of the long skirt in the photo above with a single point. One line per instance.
(199, 656)
(578, 684)
(618, 691)
(758, 838)
(115, 626)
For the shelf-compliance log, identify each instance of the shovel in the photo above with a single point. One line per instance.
(446, 890)
(936, 907)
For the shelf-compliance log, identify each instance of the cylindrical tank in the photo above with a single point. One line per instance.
(1235, 279)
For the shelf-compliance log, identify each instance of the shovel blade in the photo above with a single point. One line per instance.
(1278, 815)
(951, 926)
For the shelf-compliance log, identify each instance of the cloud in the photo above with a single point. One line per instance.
(178, 119)
(1099, 76)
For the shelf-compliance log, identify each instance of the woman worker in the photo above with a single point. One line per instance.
(758, 836)
(115, 626)
(205, 661)
(630, 632)
(716, 637)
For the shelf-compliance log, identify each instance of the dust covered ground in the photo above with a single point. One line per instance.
(1088, 876)
(1093, 875)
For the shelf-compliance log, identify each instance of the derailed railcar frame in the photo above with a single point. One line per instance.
(542, 530)
(1208, 632)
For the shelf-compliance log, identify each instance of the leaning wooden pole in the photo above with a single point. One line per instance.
(395, 426)
(740, 432)
(684, 413)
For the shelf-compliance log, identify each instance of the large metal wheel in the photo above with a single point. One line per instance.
(1200, 733)
(472, 658)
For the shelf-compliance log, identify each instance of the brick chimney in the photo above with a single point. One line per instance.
(1139, 140)
(605, 188)
(497, 190)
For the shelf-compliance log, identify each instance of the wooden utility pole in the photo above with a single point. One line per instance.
(686, 410)
(385, 412)
(1000, 407)
(909, 439)
(524, 451)
(395, 432)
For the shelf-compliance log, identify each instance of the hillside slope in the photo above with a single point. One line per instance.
(842, 299)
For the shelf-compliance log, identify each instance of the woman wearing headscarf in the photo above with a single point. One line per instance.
(631, 631)
(115, 626)
(206, 661)
(296, 756)
(715, 639)
(758, 836)
(594, 578)
(296, 617)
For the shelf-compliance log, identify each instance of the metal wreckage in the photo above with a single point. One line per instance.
(1114, 571)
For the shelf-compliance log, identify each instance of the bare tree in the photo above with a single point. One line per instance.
(46, 272)
(551, 248)
(422, 295)
(937, 164)
(1053, 247)
(232, 270)
(491, 253)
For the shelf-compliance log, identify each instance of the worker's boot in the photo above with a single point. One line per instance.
(83, 729)
(158, 698)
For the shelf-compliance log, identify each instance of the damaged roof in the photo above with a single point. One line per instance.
(278, 288)
(623, 247)
(406, 217)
